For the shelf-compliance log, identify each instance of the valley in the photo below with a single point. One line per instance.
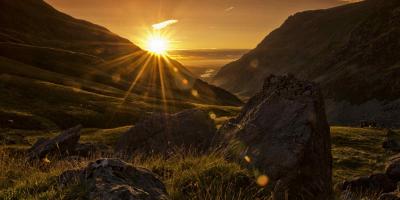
(313, 112)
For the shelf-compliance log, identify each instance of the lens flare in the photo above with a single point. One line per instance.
(157, 45)
(262, 180)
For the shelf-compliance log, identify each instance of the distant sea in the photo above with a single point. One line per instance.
(205, 63)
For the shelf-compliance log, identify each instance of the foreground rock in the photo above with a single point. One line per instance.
(389, 196)
(393, 168)
(283, 131)
(392, 141)
(113, 179)
(161, 133)
(374, 184)
(63, 144)
(384, 184)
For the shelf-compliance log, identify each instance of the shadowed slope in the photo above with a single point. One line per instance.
(353, 51)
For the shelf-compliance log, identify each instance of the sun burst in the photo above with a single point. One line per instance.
(157, 45)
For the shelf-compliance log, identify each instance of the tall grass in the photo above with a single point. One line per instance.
(186, 175)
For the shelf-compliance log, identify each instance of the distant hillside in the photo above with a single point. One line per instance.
(34, 33)
(353, 51)
(34, 22)
(57, 71)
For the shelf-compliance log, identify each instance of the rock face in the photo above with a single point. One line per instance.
(161, 133)
(113, 179)
(63, 144)
(283, 131)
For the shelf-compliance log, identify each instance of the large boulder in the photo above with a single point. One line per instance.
(113, 179)
(161, 133)
(63, 144)
(283, 132)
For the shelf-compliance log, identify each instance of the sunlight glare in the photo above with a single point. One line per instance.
(157, 45)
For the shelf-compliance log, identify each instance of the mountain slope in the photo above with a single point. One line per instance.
(353, 51)
(34, 33)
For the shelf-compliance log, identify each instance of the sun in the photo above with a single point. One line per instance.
(157, 45)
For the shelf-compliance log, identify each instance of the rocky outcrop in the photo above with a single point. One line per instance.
(284, 133)
(113, 179)
(162, 133)
(63, 144)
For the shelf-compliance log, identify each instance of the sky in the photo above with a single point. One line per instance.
(191, 24)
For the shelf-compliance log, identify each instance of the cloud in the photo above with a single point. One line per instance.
(229, 9)
(350, 1)
(208, 73)
(164, 24)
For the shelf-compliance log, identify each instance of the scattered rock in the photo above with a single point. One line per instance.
(389, 196)
(113, 179)
(392, 141)
(376, 183)
(63, 144)
(283, 131)
(162, 133)
(393, 169)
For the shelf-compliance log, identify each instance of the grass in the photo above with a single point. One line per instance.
(187, 175)
(55, 106)
(358, 152)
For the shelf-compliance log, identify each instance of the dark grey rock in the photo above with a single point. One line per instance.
(392, 141)
(375, 183)
(113, 179)
(284, 132)
(389, 196)
(393, 169)
(63, 144)
(162, 133)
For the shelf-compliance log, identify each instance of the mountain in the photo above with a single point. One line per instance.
(34, 33)
(352, 51)
(50, 60)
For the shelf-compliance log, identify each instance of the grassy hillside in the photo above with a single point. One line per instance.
(356, 152)
(42, 44)
(60, 101)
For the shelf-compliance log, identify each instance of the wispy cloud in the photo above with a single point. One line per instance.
(229, 9)
(164, 24)
(350, 1)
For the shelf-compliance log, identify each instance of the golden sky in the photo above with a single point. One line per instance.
(194, 24)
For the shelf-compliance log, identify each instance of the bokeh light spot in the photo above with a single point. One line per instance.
(262, 180)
